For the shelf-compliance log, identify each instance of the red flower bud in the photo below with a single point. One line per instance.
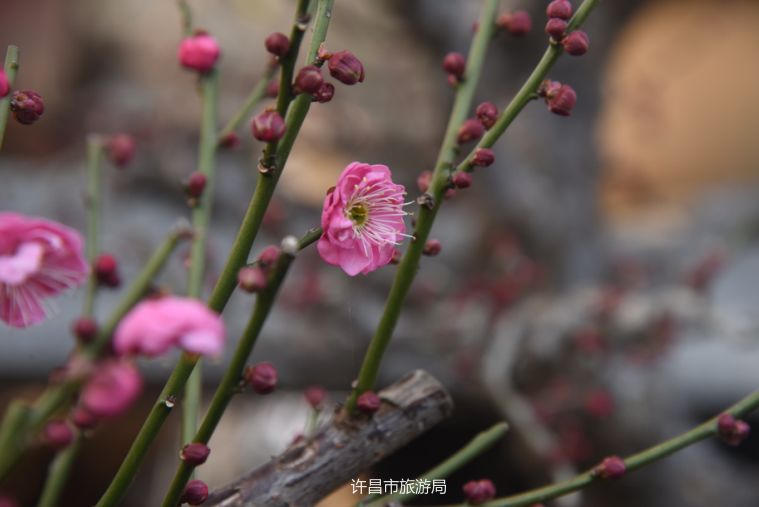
(612, 467)
(470, 130)
(517, 23)
(268, 126)
(120, 149)
(455, 64)
(483, 157)
(576, 43)
(272, 89)
(432, 247)
(478, 492)
(732, 431)
(423, 180)
(85, 329)
(561, 9)
(368, 402)
(487, 113)
(5, 84)
(199, 52)
(27, 106)
(106, 270)
(325, 93)
(230, 141)
(555, 27)
(462, 180)
(196, 183)
(268, 256)
(195, 493)
(194, 453)
(82, 418)
(277, 44)
(308, 80)
(346, 68)
(562, 101)
(261, 377)
(58, 434)
(251, 279)
(315, 396)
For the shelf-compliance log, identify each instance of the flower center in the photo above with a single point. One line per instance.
(358, 213)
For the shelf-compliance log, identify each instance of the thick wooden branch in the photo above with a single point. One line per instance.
(311, 469)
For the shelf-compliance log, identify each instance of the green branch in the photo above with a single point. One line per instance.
(11, 67)
(256, 95)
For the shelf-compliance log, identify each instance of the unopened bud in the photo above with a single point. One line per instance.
(454, 64)
(196, 183)
(561, 9)
(325, 93)
(462, 180)
(120, 149)
(487, 113)
(309, 80)
(732, 431)
(261, 377)
(315, 396)
(268, 126)
(27, 106)
(82, 418)
(346, 68)
(5, 84)
(556, 27)
(272, 89)
(432, 247)
(483, 157)
(470, 130)
(277, 44)
(251, 279)
(194, 453)
(612, 467)
(268, 256)
(107, 270)
(517, 23)
(85, 329)
(195, 493)
(478, 492)
(423, 180)
(58, 434)
(562, 101)
(230, 141)
(368, 402)
(576, 43)
(199, 52)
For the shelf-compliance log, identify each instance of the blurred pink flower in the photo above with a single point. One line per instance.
(111, 389)
(38, 259)
(362, 219)
(155, 325)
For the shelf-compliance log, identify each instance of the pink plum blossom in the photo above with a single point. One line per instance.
(362, 219)
(111, 390)
(38, 259)
(155, 325)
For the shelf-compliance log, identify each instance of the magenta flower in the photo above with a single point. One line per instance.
(38, 259)
(155, 325)
(111, 390)
(362, 219)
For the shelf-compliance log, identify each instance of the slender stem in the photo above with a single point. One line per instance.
(12, 434)
(150, 428)
(230, 383)
(58, 473)
(256, 95)
(528, 90)
(185, 14)
(93, 201)
(410, 261)
(705, 430)
(478, 445)
(11, 67)
(201, 215)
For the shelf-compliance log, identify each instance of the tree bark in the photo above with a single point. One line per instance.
(311, 469)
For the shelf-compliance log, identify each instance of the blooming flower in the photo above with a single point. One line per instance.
(111, 390)
(38, 259)
(155, 325)
(362, 219)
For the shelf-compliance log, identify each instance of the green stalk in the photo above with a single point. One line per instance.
(229, 384)
(11, 67)
(93, 204)
(478, 445)
(58, 473)
(256, 95)
(410, 261)
(705, 430)
(201, 215)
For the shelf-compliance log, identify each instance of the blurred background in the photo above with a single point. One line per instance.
(597, 287)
